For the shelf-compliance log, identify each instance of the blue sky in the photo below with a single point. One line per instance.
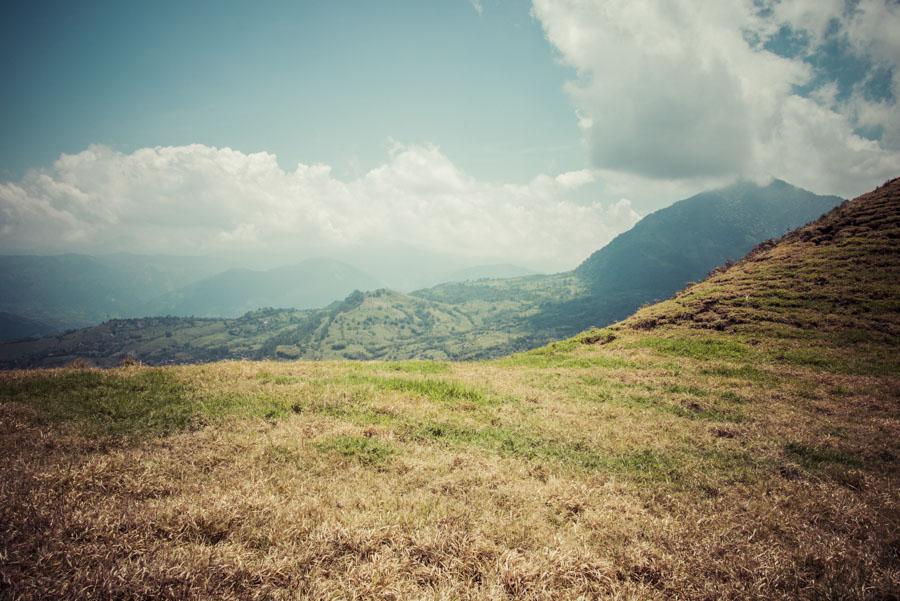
(309, 81)
(529, 132)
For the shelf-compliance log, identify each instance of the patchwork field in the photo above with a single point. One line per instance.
(738, 441)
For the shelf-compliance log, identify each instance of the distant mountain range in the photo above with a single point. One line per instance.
(69, 291)
(309, 284)
(72, 291)
(488, 272)
(469, 319)
(685, 240)
(15, 327)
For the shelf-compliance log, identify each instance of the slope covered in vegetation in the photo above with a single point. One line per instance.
(738, 441)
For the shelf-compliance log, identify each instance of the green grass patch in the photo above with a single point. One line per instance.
(418, 367)
(812, 358)
(875, 361)
(522, 444)
(543, 359)
(366, 451)
(262, 403)
(696, 347)
(640, 464)
(593, 390)
(729, 396)
(440, 391)
(742, 372)
(692, 411)
(690, 390)
(269, 378)
(351, 411)
(814, 458)
(148, 401)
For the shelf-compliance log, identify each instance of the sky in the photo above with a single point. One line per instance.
(489, 130)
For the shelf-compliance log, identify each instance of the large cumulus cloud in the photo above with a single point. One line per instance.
(688, 89)
(200, 199)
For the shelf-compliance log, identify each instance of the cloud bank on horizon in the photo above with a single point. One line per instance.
(672, 97)
(198, 198)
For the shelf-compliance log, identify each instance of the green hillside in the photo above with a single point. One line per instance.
(739, 441)
(374, 325)
(657, 257)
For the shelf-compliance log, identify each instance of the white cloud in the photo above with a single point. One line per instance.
(685, 90)
(197, 198)
(476, 4)
(575, 179)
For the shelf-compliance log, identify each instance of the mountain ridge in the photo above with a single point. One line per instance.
(308, 284)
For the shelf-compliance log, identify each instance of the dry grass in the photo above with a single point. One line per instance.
(666, 458)
(567, 486)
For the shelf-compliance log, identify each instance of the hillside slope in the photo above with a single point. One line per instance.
(739, 441)
(380, 324)
(834, 283)
(659, 255)
(720, 225)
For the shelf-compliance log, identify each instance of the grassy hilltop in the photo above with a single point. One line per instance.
(740, 440)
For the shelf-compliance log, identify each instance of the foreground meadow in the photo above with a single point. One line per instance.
(739, 441)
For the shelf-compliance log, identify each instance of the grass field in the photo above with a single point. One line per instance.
(739, 441)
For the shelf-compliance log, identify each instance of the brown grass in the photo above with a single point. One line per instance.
(249, 507)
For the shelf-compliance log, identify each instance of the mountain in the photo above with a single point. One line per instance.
(737, 441)
(78, 290)
(14, 327)
(308, 284)
(684, 241)
(81, 290)
(464, 320)
(658, 256)
(73, 289)
(829, 288)
(679, 244)
(488, 272)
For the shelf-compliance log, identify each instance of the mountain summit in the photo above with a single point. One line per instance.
(836, 280)
(684, 241)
